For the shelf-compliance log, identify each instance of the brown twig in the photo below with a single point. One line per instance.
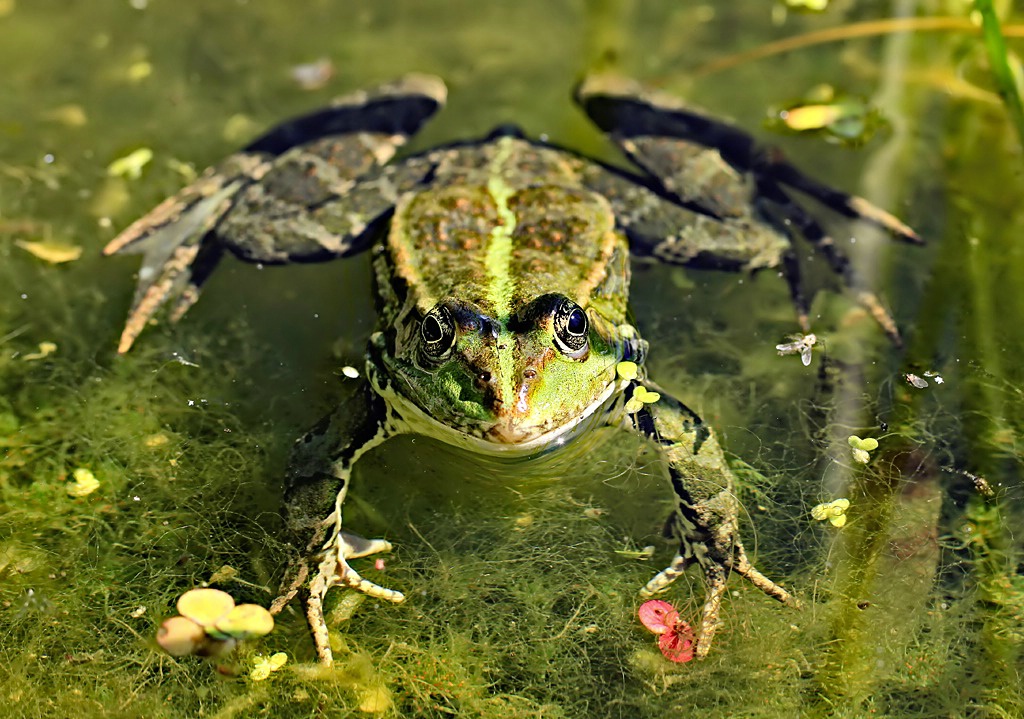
(870, 28)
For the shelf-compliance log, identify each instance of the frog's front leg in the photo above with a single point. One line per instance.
(317, 484)
(706, 518)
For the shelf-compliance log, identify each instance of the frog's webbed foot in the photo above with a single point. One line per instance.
(717, 169)
(177, 257)
(334, 571)
(299, 193)
(716, 575)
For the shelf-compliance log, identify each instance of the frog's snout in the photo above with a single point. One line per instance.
(509, 429)
(513, 421)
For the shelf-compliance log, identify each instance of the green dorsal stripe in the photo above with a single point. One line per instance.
(498, 261)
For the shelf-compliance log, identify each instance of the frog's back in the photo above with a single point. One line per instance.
(504, 222)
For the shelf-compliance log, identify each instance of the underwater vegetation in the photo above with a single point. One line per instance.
(888, 500)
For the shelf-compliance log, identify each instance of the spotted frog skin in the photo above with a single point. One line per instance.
(502, 267)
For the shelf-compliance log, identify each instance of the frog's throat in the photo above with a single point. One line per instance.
(410, 419)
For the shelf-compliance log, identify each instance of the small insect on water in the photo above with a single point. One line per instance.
(802, 345)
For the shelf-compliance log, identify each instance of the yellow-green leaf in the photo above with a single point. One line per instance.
(130, 166)
(84, 484)
(51, 251)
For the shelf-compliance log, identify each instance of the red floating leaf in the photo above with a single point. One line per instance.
(658, 616)
(678, 643)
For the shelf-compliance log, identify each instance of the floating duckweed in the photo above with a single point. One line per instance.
(812, 117)
(627, 370)
(834, 511)
(180, 636)
(261, 671)
(375, 700)
(641, 396)
(183, 169)
(156, 440)
(264, 666)
(70, 115)
(238, 127)
(205, 606)
(861, 447)
(808, 5)
(140, 70)
(823, 109)
(110, 199)
(246, 621)
(84, 484)
(221, 624)
(859, 455)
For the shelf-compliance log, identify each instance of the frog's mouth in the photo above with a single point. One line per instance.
(513, 434)
(508, 437)
(512, 430)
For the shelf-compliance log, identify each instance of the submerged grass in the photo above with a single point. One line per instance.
(519, 605)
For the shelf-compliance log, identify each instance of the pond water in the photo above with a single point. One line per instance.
(522, 596)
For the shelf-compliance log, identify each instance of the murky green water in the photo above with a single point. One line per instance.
(519, 604)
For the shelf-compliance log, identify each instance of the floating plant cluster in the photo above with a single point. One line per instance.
(675, 637)
(211, 624)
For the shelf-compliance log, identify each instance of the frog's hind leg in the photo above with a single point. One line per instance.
(296, 194)
(705, 521)
(678, 144)
(317, 485)
(720, 170)
(784, 212)
(716, 578)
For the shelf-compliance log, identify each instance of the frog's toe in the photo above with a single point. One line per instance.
(337, 572)
(354, 546)
(663, 579)
(349, 577)
(747, 570)
(710, 619)
(334, 571)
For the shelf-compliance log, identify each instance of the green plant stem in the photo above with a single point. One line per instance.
(1006, 84)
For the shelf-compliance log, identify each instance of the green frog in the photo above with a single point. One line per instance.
(502, 270)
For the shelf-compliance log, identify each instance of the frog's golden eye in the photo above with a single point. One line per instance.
(438, 333)
(571, 327)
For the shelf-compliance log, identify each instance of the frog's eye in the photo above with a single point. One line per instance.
(437, 332)
(571, 326)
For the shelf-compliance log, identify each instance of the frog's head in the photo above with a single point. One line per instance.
(511, 382)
